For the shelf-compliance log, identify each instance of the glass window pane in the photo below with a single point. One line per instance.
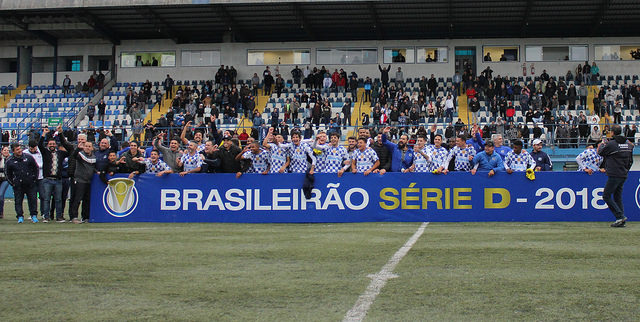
(579, 53)
(370, 56)
(128, 60)
(609, 52)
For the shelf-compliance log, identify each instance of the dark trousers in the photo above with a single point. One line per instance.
(32, 199)
(65, 193)
(614, 187)
(82, 194)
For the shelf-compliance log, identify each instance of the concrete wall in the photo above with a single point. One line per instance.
(235, 54)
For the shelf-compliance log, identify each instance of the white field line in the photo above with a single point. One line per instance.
(378, 280)
(79, 230)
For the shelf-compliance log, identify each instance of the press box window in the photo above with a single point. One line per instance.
(432, 55)
(500, 53)
(148, 59)
(617, 52)
(278, 57)
(557, 53)
(399, 55)
(348, 56)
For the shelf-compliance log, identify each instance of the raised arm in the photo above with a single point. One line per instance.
(183, 135)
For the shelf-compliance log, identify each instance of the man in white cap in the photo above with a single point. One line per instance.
(543, 162)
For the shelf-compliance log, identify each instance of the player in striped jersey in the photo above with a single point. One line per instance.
(300, 153)
(336, 156)
(421, 156)
(321, 139)
(518, 159)
(463, 155)
(260, 159)
(589, 160)
(365, 160)
(352, 146)
(278, 151)
(438, 154)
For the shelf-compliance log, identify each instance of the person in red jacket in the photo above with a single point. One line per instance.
(341, 83)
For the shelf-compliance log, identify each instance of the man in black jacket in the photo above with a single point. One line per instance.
(383, 155)
(52, 164)
(210, 162)
(618, 158)
(84, 171)
(227, 156)
(22, 172)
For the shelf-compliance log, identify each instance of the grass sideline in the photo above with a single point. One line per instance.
(303, 272)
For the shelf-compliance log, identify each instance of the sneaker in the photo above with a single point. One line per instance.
(620, 223)
(45, 220)
(34, 219)
(76, 221)
(85, 221)
(20, 220)
(60, 220)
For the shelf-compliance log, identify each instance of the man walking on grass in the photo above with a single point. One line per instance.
(618, 158)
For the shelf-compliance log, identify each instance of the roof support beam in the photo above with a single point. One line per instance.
(302, 20)
(230, 22)
(98, 26)
(525, 18)
(157, 21)
(450, 18)
(42, 35)
(597, 18)
(374, 18)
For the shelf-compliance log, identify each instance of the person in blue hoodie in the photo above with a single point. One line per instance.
(488, 160)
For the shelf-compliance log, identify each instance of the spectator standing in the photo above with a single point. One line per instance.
(101, 110)
(4, 184)
(168, 86)
(384, 75)
(22, 172)
(66, 84)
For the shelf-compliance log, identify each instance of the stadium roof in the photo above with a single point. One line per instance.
(197, 21)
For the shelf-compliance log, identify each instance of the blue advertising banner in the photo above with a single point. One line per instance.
(394, 197)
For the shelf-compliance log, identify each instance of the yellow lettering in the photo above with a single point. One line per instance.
(406, 197)
(447, 198)
(384, 196)
(505, 198)
(426, 198)
(457, 198)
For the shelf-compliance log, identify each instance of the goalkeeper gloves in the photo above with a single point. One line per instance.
(531, 175)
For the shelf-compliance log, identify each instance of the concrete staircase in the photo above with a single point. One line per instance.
(4, 101)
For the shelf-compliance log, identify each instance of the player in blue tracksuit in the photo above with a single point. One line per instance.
(487, 160)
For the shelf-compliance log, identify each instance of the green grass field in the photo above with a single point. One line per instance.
(316, 272)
